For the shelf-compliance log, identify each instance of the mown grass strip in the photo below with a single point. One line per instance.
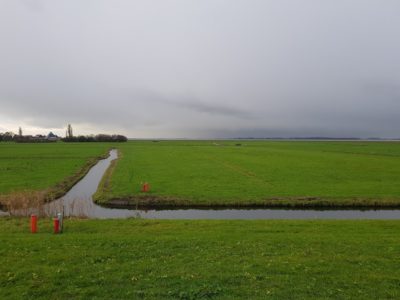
(133, 259)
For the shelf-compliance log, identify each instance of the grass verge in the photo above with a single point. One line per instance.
(64, 186)
(135, 259)
(166, 202)
(105, 183)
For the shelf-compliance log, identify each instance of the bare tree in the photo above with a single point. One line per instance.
(69, 131)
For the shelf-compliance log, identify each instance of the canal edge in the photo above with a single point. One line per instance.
(99, 196)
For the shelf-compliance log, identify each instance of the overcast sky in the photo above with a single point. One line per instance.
(201, 69)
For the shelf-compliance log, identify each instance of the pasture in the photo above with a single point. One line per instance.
(196, 259)
(52, 167)
(255, 173)
(139, 259)
(214, 173)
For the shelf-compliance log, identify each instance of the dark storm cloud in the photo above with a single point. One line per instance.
(176, 68)
(218, 109)
(196, 105)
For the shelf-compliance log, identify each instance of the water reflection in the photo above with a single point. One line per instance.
(273, 214)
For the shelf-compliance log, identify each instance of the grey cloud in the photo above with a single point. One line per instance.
(195, 105)
(173, 68)
(33, 5)
(218, 109)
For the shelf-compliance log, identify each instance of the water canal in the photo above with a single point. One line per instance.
(78, 202)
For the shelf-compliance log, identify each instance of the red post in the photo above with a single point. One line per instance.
(33, 223)
(56, 223)
(145, 187)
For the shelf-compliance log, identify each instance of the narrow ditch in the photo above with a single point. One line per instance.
(78, 202)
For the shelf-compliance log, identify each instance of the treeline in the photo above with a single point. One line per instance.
(20, 138)
(33, 139)
(115, 138)
(51, 138)
(6, 137)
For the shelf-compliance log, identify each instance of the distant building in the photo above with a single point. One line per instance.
(52, 137)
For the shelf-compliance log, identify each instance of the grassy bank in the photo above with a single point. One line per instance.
(53, 168)
(214, 173)
(255, 173)
(125, 259)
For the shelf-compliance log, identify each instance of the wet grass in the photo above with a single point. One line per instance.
(256, 173)
(51, 168)
(134, 259)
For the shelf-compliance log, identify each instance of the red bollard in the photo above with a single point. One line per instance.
(56, 223)
(33, 223)
(145, 187)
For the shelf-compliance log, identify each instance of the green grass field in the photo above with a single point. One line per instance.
(134, 259)
(53, 166)
(215, 173)
(139, 259)
(290, 173)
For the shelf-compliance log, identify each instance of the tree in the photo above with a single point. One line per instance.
(20, 131)
(69, 132)
(8, 136)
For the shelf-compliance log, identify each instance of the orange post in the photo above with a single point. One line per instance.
(56, 222)
(33, 223)
(145, 187)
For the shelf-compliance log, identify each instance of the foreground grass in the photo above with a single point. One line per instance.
(54, 166)
(248, 173)
(133, 259)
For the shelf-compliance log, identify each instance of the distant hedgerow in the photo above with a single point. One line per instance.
(96, 138)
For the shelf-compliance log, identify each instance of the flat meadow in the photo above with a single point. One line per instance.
(255, 173)
(144, 259)
(52, 167)
(214, 173)
(206, 259)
